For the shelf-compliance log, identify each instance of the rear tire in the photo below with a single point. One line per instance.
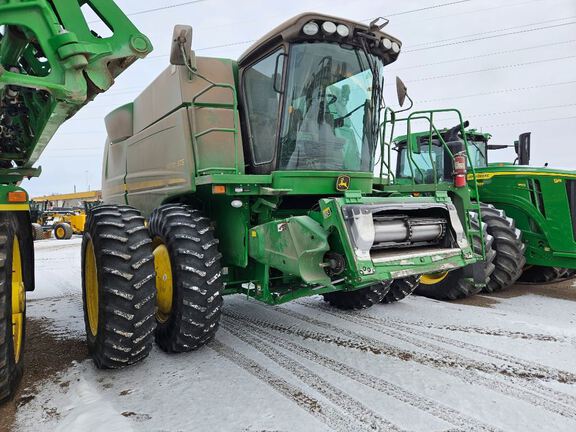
(37, 232)
(509, 260)
(12, 321)
(544, 275)
(401, 288)
(361, 298)
(63, 231)
(188, 315)
(117, 286)
(454, 285)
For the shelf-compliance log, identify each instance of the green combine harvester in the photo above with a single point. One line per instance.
(51, 65)
(256, 177)
(537, 244)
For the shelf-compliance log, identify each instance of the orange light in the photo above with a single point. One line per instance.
(416, 194)
(17, 197)
(218, 189)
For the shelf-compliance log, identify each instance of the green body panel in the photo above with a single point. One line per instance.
(537, 200)
(294, 246)
(50, 66)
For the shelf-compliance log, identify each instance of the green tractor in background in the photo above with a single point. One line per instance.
(256, 177)
(51, 65)
(530, 211)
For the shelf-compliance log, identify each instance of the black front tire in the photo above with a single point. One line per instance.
(63, 231)
(544, 275)
(509, 260)
(196, 277)
(455, 285)
(37, 232)
(401, 288)
(362, 298)
(124, 270)
(11, 367)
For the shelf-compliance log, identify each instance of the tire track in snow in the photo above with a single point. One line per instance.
(467, 371)
(524, 369)
(368, 419)
(497, 332)
(326, 414)
(243, 325)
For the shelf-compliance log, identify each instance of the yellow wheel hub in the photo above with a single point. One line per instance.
(433, 278)
(91, 282)
(164, 288)
(60, 233)
(18, 300)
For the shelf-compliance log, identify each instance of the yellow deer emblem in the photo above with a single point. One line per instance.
(342, 183)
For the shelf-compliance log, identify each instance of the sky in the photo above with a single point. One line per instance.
(508, 65)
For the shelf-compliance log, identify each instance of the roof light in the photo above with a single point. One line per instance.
(387, 43)
(310, 28)
(343, 30)
(329, 27)
(395, 47)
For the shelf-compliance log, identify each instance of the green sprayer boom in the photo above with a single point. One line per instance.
(51, 65)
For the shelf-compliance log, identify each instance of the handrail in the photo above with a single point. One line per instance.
(234, 130)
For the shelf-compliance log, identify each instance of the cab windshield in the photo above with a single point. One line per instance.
(331, 111)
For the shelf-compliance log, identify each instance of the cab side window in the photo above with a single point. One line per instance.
(263, 104)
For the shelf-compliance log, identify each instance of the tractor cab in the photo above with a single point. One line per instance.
(429, 160)
(310, 95)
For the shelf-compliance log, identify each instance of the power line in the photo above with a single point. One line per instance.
(474, 57)
(529, 122)
(145, 11)
(494, 31)
(501, 91)
(490, 69)
(436, 6)
(490, 37)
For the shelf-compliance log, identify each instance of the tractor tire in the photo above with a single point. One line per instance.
(453, 285)
(401, 288)
(509, 260)
(544, 275)
(361, 298)
(188, 278)
(118, 289)
(37, 232)
(63, 231)
(12, 321)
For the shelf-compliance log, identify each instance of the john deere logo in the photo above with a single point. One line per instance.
(342, 183)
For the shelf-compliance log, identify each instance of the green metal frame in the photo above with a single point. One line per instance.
(59, 66)
(537, 200)
(465, 199)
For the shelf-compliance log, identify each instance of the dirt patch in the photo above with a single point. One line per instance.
(477, 300)
(561, 290)
(44, 356)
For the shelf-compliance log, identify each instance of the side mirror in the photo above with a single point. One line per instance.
(523, 149)
(181, 51)
(401, 90)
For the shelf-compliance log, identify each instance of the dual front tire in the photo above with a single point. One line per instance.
(16, 275)
(141, 283)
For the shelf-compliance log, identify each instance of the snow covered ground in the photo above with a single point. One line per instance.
(489, 363)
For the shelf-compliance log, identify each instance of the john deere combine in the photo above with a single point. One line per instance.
(530, 211)
(51, 65)
(256, 177)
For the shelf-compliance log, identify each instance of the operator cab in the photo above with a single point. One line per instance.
(434, 157)
(311, 94)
